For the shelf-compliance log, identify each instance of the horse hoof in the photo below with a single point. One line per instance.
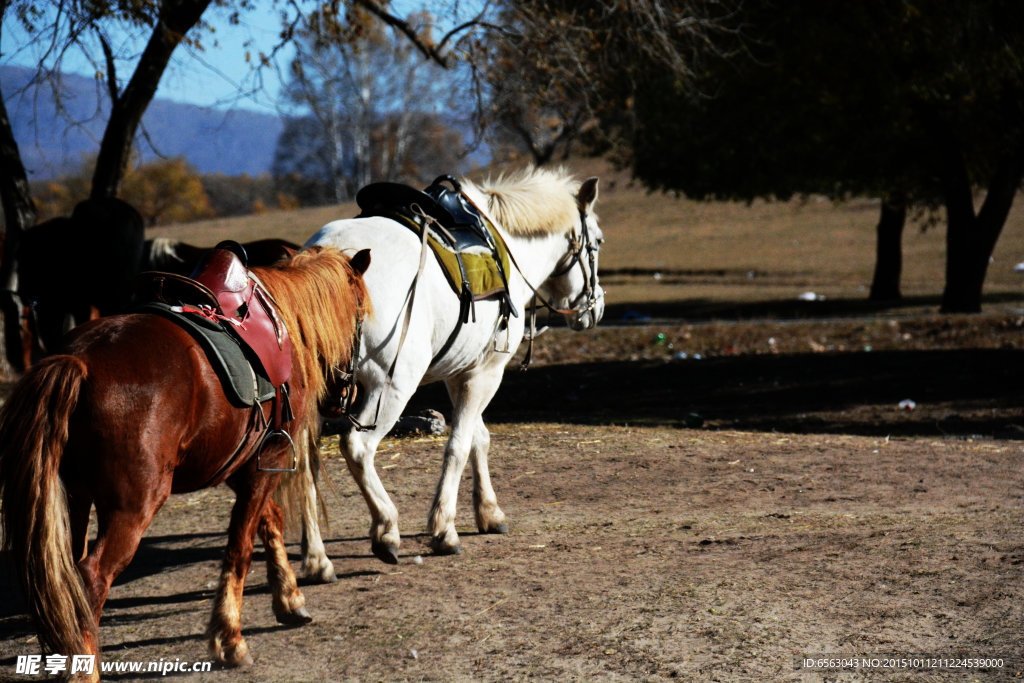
(498, 529)
(324, 574)
(237, 657)
(441, 548)
(297, 617)
(385, 552)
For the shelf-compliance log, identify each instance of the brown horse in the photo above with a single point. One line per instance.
(133, 412)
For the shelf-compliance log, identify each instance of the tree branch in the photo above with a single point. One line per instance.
(435, 52)
(175, 19)
(429, 51)
(108, 55)
(1002, 189)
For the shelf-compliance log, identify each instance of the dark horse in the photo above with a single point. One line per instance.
(175, 256)
(132, 412)
(73, 269)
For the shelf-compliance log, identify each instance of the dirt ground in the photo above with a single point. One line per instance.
(720, 517)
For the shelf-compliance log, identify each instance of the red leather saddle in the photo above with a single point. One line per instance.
(242, 302)
(223, 291)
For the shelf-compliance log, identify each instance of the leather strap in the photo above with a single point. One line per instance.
(406, 319)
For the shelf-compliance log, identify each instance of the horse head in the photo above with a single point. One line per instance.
(573, 285)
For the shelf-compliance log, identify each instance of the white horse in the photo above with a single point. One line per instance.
(546, 219)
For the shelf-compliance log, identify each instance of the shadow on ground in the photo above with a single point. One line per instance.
(698, 310)
(956, 393)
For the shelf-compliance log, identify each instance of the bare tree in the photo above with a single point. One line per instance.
(370, 93)
(56, 28)
(528, 108)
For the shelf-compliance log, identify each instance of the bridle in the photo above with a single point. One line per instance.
(588, 295)
(577, 247)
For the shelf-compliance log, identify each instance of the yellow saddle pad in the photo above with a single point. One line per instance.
(481, 267)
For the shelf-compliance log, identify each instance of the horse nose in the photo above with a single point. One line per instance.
(592, 316)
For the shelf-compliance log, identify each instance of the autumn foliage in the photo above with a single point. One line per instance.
(164, 191)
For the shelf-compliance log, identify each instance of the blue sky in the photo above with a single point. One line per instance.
(211, 77)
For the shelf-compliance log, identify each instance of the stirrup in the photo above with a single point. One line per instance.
(263, 442)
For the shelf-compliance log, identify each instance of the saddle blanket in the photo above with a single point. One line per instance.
(244, 382)
(482, 270)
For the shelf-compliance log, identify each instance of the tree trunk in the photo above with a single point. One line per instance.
(971, 239)
(19, 215)
(889, 249)
(966, 267)
(176, 18)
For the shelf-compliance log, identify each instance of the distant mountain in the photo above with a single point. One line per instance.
(54, 141)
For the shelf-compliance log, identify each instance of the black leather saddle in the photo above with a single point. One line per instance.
(463, 225)
(471, 252)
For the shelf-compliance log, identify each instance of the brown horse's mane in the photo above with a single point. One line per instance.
(319, 297)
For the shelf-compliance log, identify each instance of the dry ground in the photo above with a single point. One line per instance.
(635, 552)
(807, 517)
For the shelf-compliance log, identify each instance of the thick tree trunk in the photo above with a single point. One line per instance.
(176, 18)
(970, 236)
(966, 267)
(970, 239)
(889, 249)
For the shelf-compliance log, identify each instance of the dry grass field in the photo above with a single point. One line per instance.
(722, 515)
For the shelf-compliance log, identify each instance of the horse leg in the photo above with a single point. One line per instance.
(288, 602)
(470, 393)
(298, 491)
(359, 449)
(225, 630)
(489, 517)
(119, 531)
(316, 565)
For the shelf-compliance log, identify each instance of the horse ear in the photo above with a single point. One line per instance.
(587, 194)
(361, 261)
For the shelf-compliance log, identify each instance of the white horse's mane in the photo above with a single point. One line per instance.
(162, 252)
(530, 202)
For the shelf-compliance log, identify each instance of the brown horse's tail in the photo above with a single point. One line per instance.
(33, 434)
(293, 488)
